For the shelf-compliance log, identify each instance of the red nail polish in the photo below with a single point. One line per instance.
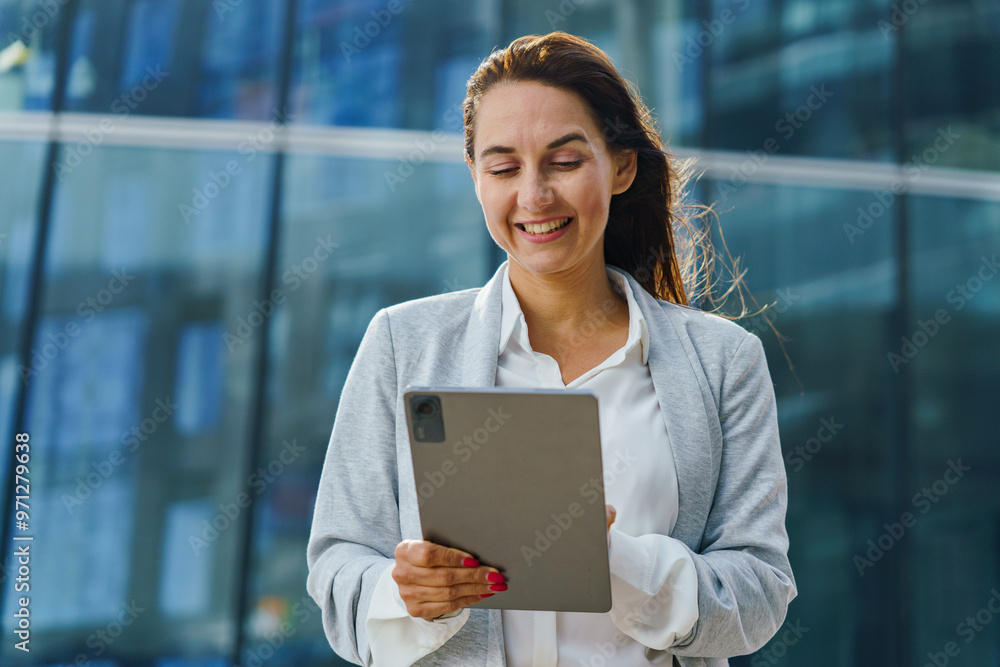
(495, 577)
(498, 587)
(470, 562)
(486, 595)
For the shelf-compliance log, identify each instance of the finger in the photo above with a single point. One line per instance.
(455, 576)
(446, 594)
(423, 553)
(434, 611)
(463, 602)
(405, 573)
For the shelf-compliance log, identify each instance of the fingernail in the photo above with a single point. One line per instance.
(498, 587)
(495, 577)
(486, 595)
(470, 562)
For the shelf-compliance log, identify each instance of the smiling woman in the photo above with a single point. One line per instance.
(576, 187)
(613, 124)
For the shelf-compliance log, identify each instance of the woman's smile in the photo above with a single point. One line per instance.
(545, 231)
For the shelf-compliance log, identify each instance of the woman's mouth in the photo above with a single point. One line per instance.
(544, 231)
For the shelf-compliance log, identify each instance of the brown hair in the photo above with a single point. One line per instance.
(640, 234)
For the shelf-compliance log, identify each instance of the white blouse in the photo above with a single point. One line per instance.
(654, 587)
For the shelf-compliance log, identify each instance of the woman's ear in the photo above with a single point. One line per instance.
(472, 170)
(626, 164)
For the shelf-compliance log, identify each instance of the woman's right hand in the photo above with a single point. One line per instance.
(434, 580)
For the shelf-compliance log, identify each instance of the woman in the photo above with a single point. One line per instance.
(576, 188)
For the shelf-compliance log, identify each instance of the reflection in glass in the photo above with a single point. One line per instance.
(950, 352)
(832, 306)
(174, 58)
(952, 53)
(28, 32)
(139, 414)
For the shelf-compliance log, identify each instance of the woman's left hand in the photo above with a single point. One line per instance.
(610, 513)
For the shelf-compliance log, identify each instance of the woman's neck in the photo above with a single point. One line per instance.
(568, 307)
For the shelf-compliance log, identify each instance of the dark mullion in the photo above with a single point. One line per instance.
(900, 457)
(63, 27)
(259, 408)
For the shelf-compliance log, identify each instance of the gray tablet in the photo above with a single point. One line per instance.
(514, 477)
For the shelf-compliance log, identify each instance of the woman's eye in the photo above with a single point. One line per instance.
(561, 165)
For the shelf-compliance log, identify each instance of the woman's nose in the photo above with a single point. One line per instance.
(535, 192)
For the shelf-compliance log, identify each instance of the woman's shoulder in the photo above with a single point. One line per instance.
(701, 329)
(439, 319)
(705, 329)
(714, 345)
(437, 308)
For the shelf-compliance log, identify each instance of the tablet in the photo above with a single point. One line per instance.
(514, 477)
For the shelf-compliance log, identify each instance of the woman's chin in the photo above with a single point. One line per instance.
(542, 262)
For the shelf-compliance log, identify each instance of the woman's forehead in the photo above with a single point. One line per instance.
(530, 114)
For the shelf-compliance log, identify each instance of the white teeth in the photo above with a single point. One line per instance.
(545, 227)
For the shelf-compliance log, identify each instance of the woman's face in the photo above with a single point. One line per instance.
(540, 161)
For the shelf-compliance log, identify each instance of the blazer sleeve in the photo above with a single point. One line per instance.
(745, 581)
(355, 526)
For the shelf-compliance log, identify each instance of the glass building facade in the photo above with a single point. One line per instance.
(204, 202)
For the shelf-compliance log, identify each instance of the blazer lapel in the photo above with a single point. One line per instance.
(681, 396)
(482, 338)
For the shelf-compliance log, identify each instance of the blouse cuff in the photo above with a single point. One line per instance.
(395, 637)
(654, 588)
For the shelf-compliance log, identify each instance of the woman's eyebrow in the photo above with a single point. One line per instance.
(565, 139)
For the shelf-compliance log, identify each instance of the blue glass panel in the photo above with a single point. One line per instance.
(28, 30)
(131, 405)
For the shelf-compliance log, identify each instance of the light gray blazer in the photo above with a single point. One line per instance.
(718, 404)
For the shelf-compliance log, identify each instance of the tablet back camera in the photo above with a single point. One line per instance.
(427, 423)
